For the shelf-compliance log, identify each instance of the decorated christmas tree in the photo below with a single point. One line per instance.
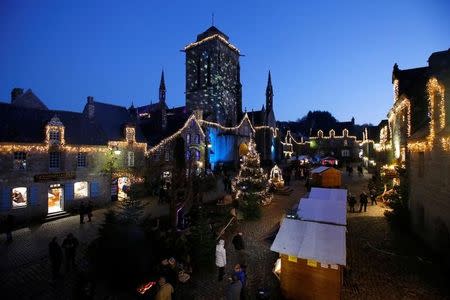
(251, 184)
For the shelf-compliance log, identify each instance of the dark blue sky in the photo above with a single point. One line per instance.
(334, 56)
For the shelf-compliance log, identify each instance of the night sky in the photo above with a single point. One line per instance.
(334, 56)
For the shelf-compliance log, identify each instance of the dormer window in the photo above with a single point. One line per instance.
(55, 132)
(55, 137)
(130, 134)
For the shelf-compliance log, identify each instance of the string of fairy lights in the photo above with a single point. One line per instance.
(214, 36)
(436, 108)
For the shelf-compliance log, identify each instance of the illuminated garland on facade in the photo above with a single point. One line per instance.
(273, 129)
(433, 88)
(224, 128)
(331, 135)
(172, 138)
(218, 36)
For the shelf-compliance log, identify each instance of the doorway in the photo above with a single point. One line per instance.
(55, 198)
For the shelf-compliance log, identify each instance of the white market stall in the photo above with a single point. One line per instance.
(312, 259)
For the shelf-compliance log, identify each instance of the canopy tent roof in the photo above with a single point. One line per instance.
(309, 240)
(323, 210)
(320, 169)
(329, 194)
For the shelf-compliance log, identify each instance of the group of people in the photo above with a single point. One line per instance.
(363, 200)
(69, 245)
(85, 210)
(236, 288)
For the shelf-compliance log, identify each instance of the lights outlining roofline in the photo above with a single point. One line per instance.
(215, 36)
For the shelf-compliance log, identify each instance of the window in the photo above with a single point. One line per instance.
(345, 153)
(19, 197)
(80, 190)
(197, 155)
(130, 158)
(197, 139)
(54, 160)
(167, 156)
(81, 159)
(130, 134)
(188, 139)
(20, 160)
(421, 164)
(345, 143)
(55, 136)
(188, 155)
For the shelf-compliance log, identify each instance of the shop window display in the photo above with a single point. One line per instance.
(80, 189)
(19, 197)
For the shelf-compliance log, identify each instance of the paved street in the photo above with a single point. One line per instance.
(260, 258)
(385, 265)
(24, 265)
(380, 263)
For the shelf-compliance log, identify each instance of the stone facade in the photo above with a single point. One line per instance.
(419, 135)
(213, 77)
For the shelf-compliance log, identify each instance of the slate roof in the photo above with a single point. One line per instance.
(153, 107)
(112, 119)
(152, 127)
(257, 117)
(29, 100)
(27, 125)
(211, 31)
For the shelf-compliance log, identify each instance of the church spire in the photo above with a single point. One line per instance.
(269, 94)
(162, 89)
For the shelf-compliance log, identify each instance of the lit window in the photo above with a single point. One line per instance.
(130, 159)
(188, 138)
(130, 134)
(197, 139)
(80, 189)
(55, 136)
(197, 155)
(54, 160)
(345, 153)
(19, 197)
(345, 143)
(81, 159)
(20, 160)
(188, 155)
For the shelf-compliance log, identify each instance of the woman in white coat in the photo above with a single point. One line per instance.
(221, 258)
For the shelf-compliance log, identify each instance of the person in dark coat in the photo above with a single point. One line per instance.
(89, 210)
(363, 199)
(351, 202)
(56, 256)
(70, 245)
(234, 289)
(373, 197)
(238, 242)
(82, 211)
(9, 227)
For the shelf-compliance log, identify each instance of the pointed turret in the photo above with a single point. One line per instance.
(269, 94)
(162, 90)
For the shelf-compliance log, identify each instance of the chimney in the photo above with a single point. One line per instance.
(15, 93)
(90, 107)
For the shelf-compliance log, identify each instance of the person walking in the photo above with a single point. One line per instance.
(240, 273)
(351, 202)
(70, 245)
(234, 289)
(89, 208)
(82, 211)
(165, 290)
(363, 202)
(239, 246)
(9, 227)
(238, 242)
(373, 197)
(55, 254)
(221, 258)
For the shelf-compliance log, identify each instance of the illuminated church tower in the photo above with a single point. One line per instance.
(213, 77)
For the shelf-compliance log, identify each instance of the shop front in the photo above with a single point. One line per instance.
(55, 198)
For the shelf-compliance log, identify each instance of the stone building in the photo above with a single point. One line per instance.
(213, 82)
(419, 123)
(52, 160)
